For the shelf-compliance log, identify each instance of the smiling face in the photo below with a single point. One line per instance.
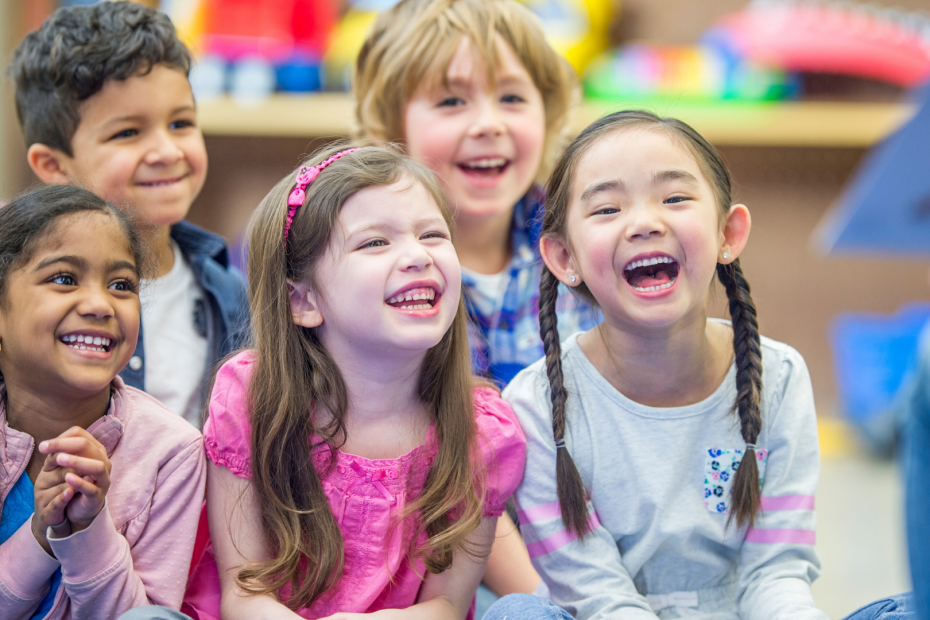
(138, 144)
(70, 317)
(644, 227)
(485, 141)
(390, 280)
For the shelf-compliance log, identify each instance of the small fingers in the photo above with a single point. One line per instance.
(82, 465)
(81, 445)
(59, 503)
(85, 487)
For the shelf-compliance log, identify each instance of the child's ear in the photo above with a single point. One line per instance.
(559, 260)
(49, 164)
(305, 311)
(735, 233)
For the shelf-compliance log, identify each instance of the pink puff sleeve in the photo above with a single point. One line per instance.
(227, 433)
(503, 448)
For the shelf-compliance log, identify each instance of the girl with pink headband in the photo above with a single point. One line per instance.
(355, 465)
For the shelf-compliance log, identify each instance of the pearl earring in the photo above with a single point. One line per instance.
(726, 255)
(573, 278)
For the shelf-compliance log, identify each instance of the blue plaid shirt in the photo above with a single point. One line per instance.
(506, 340)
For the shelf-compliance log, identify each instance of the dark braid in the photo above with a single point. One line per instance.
(746, 489)
(568, 481)
(746, 495)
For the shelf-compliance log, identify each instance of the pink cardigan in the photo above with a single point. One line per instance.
(138, 550)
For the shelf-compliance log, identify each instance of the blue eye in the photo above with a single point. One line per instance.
(125, 286)
(126, 133)
(606, 211)
(64, 279)
(512, 99)
(449, 102)
(182, 124)
(676, 199)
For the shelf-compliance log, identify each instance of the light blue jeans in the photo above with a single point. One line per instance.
(525, 607)
(900, 607)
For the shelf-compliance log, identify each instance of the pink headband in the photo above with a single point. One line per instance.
(306, 176)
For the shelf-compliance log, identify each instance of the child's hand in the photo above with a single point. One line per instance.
(88, 473)
(52, 495)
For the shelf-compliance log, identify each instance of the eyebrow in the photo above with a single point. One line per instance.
(675, 175)
(136, 117)
(80, 263)
(382, 227)
(75, 261)
(614, 185)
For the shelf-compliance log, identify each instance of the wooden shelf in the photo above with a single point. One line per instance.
(816, 124)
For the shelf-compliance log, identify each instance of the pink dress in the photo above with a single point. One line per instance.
(364, 495)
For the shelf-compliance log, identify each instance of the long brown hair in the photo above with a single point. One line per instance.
(294, 372)
(746, 344)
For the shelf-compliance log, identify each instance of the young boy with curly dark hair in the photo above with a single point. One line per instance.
(104, 102)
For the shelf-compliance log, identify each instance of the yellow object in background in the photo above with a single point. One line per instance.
(578, 29)
(350, 34)
(189, 18)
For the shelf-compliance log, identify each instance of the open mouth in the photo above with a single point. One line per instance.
(655, 273)
(87, 342)
(486, 167)
(419, 298)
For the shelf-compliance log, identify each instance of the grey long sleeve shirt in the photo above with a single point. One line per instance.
(658, 482)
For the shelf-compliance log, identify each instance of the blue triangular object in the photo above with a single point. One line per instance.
(886, 207)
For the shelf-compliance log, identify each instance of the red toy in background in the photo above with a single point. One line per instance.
(274, 29)
(861, 41)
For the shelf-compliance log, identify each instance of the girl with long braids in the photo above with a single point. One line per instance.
(672, 458)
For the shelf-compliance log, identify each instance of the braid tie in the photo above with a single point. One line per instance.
(571, 493)
(746, 495)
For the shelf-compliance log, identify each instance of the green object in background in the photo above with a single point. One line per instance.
(694, 73)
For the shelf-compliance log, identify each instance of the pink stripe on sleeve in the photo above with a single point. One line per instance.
(788, 502)
(775, 536)
(539, 513)
(557, 540)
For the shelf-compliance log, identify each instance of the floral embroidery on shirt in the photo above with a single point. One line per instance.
(719, 469)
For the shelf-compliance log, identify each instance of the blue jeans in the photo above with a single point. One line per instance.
(525, 607)
(900, 607)
(917, 489)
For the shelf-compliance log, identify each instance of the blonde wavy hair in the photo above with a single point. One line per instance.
(414, 41)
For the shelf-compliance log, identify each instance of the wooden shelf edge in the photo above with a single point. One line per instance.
(803, 124)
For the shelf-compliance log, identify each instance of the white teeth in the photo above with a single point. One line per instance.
(655, 260)
(487, 163)
(92, 343)
(654, 288)
(427, 294)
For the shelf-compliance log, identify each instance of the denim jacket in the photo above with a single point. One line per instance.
(224, 316)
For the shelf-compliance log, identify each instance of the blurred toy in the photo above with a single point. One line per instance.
(347, 40)
(253, 47)
(842, 38)
(578, 29)
(700, 73)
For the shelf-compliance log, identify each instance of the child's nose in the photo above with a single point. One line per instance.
(645, 223)
(95, 302)
(163, 149)
(488, 120)
(416, 258)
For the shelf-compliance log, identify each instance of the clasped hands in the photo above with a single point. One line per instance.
(72, 487)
